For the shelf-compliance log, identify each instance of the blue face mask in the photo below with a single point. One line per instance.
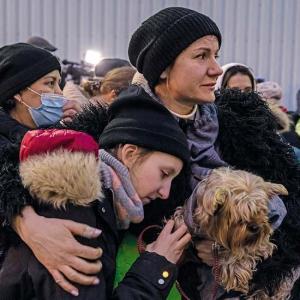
(51, 110)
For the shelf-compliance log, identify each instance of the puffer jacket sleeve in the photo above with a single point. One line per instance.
(150, 277)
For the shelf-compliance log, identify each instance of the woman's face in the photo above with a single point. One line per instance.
(152, 173)
(241, 82)
(47, 84)
(192, 77)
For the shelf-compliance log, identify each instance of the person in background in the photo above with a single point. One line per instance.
(113, 83)
(93, 88)
(108, 64)
(272, 92)
(236, 76)
(41, 42)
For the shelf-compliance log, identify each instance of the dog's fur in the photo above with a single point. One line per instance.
(231, 208)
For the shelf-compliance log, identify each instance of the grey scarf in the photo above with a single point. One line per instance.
(128, 206)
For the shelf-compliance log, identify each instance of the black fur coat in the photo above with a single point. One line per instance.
(248, 140)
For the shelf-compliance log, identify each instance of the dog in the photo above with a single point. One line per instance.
(230, 207)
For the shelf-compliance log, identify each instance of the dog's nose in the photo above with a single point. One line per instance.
(277, 211)
(273, 219)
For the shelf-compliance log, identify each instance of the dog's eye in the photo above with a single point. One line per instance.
(253, 228)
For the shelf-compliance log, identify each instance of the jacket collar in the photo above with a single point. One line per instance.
(10, 128)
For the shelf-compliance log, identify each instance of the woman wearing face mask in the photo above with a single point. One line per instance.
(137, 164)
(30, 97)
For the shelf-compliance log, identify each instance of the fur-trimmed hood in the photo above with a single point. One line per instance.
(62, 177)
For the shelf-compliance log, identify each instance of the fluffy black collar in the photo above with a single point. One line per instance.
(248, 141)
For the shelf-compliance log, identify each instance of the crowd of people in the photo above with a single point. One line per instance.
(93, 175)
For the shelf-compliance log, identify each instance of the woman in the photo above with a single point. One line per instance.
(135, 167)
(30, 97)
(175, 50)
(113, 83)
(27, 72)
(236, 76)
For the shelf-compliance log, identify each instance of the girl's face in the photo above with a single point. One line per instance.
(193, 75)
(151, 174)
(241, 82)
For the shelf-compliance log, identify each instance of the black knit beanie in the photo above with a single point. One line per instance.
(146, 123)
(21, 65)
(163, 36)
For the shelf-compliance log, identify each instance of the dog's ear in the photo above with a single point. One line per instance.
(275, 189)
(220, 198)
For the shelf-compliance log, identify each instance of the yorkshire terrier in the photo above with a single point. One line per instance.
(230, 207)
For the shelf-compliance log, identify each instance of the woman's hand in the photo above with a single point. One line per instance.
(53, 244)
(70, 109)
(171, 244)
(204, 251)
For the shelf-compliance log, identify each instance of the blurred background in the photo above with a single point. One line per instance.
(263, 34)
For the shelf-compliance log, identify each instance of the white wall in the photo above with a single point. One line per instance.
(263, 34)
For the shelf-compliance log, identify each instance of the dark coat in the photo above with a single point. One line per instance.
(248, 141)
(22, 277)
(11, 131)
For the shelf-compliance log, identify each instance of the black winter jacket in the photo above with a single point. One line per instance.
(22, 277)
(11, 131)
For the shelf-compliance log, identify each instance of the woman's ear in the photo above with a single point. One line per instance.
(128, 154)
(18, 97)
(165, 73)
(113, 95)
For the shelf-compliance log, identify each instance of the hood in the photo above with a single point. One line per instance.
(227, 67)
(62, 177)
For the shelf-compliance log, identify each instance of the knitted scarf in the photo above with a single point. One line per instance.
(115, 176)
(201, 132)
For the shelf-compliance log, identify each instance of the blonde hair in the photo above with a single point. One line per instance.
(117, 79)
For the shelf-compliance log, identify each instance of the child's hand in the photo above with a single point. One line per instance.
(171, 244)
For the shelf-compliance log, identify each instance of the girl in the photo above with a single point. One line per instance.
(138, 162)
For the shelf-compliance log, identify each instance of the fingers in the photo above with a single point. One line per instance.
(87, 252)
(82, 229)
(168, 227)
(72, 105)
(184, 241)
(63, 283)
(85, 267)
(77, 277)
(69, 113)
(181, 230)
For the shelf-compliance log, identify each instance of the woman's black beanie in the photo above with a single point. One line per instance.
(163, 36)
(21, 65)
(146, 123)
